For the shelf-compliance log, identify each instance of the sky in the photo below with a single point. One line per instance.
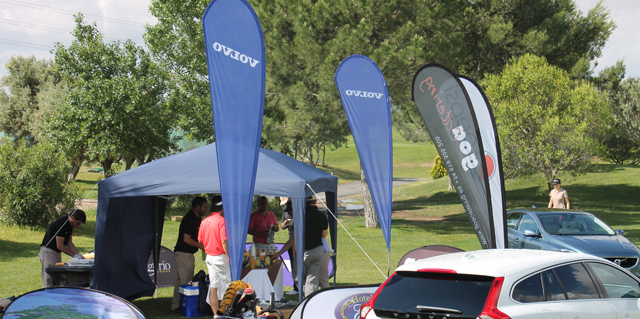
(32, 27)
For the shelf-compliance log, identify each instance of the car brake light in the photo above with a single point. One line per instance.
(368, 306)
(490, 310)
(438, 270)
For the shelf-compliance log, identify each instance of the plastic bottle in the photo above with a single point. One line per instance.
(252, 256)
(262, 256)
(272, 232)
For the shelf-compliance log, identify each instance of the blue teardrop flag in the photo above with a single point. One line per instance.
(366, 102)
(236, 62)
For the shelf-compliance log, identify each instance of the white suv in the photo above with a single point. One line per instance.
(507, 283)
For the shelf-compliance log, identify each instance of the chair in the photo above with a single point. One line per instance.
(569, 227)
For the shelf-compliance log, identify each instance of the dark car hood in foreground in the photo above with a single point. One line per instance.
(598, 245)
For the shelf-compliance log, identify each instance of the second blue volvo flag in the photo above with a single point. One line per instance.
(366, 102)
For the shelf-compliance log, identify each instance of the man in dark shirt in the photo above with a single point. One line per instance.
(58, 239)
(316, 228)
(186, 246)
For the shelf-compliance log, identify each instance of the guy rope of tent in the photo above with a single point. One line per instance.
(345, 229)
(52, 238)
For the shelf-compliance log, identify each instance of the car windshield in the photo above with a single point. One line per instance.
(432, 295)
(574, 224)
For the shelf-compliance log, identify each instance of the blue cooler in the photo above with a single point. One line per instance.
(189, 301)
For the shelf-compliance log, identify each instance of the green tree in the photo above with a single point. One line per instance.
(626, 107)
(619, 147)
(546, 121)
(115, 108)
(177, 43)
(33, 184)
(306, 40)
(438, 170)
(19, 95)
(480, 37)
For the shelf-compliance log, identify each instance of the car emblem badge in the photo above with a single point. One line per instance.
(406, 315)
(617, 262)
(395, 314)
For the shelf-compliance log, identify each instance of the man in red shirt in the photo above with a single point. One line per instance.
(260, 224)
(213, 235)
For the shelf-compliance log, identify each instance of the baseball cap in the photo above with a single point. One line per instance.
(556, 181)
(216, 200)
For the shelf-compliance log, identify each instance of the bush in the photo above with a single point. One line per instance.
(438, 170)
(33, 185)
(620, 148)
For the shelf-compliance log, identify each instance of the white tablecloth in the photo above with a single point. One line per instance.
(259, 280)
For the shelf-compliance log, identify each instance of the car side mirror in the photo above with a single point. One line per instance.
(531, 233)
(620, 232)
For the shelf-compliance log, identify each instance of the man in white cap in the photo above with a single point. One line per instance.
(213, 235)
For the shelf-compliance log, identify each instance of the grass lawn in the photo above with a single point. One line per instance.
(409, 160)
(425, 213)
(87, 183)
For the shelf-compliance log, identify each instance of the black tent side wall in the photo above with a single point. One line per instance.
(125, 243)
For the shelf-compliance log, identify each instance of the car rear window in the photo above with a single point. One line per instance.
(407, 290)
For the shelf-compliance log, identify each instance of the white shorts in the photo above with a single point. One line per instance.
(219, 272)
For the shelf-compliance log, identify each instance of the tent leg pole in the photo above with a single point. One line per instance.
(335, 274)
(156, 253)
(388, 263)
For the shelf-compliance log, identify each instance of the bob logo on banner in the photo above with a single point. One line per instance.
(349, 308)
(370, 95)
(236, 55)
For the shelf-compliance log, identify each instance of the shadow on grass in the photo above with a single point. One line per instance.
(157, 307)
(591, 198)
(445, 226)
(439, 198)
(17, 249)
(582, 196)
(587, 197)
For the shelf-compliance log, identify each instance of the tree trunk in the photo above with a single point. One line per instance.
(74, 170)
(106, 167)
(370, 216)
(128, 162)
(324, 152)
(450, 184)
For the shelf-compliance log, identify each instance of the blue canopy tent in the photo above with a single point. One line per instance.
(131, 209)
